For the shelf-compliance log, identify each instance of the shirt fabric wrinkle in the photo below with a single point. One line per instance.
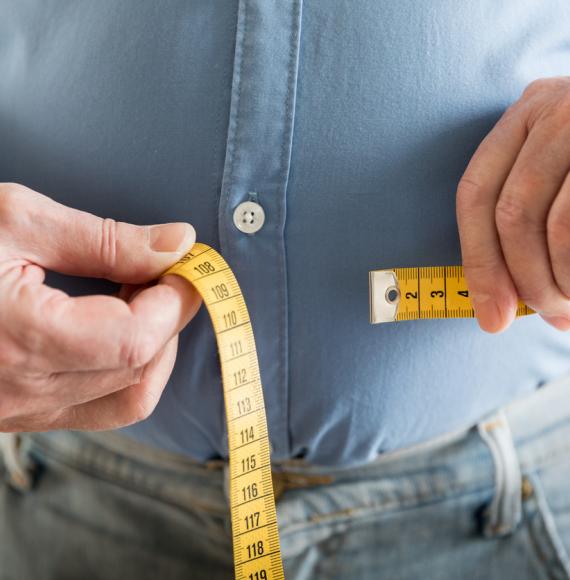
(352, 124)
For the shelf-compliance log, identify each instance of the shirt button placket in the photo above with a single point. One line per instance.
(258, 157)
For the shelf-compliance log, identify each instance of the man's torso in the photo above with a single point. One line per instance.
(352, 123)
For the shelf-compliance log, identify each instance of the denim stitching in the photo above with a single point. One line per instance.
(359, 514)
(548, 525)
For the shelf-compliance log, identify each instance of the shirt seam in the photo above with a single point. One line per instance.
(231, 154)
(286, 149)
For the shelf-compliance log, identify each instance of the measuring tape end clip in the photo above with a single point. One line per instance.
(384, 296)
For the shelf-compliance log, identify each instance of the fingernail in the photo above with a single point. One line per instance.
(173, 237)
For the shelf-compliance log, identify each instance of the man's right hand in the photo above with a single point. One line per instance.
(90, 362)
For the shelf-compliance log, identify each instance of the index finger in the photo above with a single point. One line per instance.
(63, 333)
(491, 287)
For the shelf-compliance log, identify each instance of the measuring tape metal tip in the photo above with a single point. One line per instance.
(384, 296)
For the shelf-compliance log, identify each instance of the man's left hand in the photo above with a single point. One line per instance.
(513, 211)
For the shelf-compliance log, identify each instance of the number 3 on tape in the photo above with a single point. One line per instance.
(257, 553)
(420, 293)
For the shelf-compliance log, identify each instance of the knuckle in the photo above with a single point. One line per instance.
(480, 275)
(549, 101)
(538, 86)
(142, 403)
(107, 241)
(512, 111)
(9, 197)
(21, 351)
(558, 227)
(32, 341)
(512, 215)
(469, 195)
(32, 337)
(13, 189)
(468, 188)
(11, 357)
(536, 296)
(48, 384)
(478, 268)
(138, 351)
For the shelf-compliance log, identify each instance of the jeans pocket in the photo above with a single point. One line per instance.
(547, 513)
(79, 522)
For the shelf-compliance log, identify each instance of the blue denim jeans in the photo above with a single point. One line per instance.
(489, 502)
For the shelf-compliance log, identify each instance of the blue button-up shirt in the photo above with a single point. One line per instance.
(351, 124)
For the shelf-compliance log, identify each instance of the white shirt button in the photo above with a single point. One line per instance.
(249, 217)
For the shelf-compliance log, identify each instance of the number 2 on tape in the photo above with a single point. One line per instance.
(419, 293)
(257, 553)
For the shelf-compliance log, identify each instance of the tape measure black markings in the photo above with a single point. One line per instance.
(422, 293)
(256, 547)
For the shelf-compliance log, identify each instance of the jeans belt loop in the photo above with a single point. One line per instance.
(282, 480)
(504, 513)
(18, 468)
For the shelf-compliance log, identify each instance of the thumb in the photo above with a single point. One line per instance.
(75, 242)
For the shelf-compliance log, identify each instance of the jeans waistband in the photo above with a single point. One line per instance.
(526, 424)
(529, 418)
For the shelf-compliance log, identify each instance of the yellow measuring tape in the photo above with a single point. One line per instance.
(397, 294)
(257, 553)
(418, 293)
